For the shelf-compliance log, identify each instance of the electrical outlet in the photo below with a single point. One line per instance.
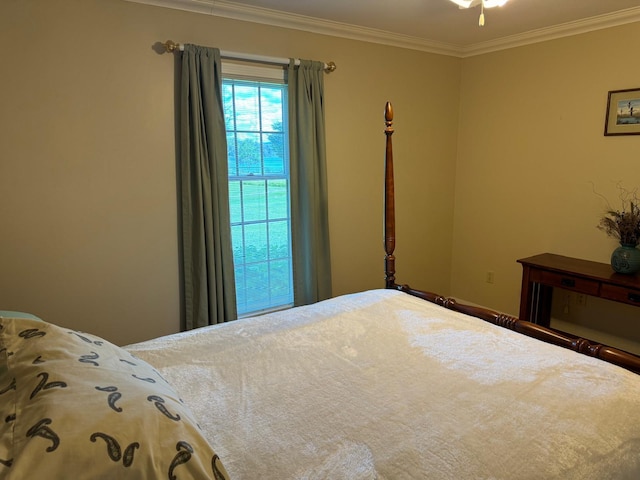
(581, 299)
(490, 278)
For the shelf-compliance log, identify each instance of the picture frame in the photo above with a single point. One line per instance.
(623, 112)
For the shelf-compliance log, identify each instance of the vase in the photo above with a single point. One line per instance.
(626, 259)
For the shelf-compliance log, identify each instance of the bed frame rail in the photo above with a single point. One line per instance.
(581, 345)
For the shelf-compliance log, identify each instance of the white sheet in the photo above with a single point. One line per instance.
(381, 385)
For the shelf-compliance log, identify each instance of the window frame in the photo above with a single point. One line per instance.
(255, 74)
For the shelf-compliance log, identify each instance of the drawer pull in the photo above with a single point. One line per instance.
(634, 297)
(570, 282)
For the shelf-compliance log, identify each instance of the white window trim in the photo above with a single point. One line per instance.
(275, 73)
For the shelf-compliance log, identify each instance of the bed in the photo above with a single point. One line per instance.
(379, 384)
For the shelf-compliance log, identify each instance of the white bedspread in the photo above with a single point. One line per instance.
(383, 385)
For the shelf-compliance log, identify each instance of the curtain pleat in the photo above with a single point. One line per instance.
(209, 281)
(309, 203)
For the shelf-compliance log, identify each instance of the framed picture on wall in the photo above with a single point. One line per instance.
(623, 112)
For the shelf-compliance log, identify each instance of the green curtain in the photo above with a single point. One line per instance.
(309, 204)
(209, 283)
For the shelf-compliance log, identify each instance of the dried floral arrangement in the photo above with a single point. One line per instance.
(623, 224)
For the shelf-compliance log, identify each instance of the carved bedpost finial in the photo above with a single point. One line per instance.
(388, 115)
(389, 203)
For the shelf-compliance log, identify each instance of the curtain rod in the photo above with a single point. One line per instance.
(171, 46)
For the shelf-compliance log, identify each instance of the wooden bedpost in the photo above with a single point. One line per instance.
(389, 204)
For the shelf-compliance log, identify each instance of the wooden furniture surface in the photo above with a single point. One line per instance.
(542, 273)
(545, 334)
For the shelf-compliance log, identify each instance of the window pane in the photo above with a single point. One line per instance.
(227, 106)
(254, 198)
(249, 158)
(257, 276)
(280, 273)
(271, 104)
(255, 242)
(241, 288)
(235, 202)
(247, 110)
(278, 193)
(237, 239)
(232, 158)
(279, 240)
(273, 153)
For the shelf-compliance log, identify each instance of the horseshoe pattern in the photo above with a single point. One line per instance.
(41, 429)
(113, 448)
(88, 340)
(216, 466)
(183, 456)
(38, 360)
(113, 397)
(144, 379)
(31, 333)
(11, 386)
(159, 403)
(43, 385)
(90, 358)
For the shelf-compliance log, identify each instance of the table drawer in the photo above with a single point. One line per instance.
(620, 294)
(568, 282)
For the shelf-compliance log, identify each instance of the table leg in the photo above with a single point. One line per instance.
(535, 300)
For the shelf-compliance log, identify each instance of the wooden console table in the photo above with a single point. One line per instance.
(541, 273)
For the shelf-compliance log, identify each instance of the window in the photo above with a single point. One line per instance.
(257, 142)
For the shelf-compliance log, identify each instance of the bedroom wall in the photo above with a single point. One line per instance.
(89, 234)
(531, 150)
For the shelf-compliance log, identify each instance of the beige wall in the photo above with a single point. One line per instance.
(531, 149)
(513, 139)
(89, 235)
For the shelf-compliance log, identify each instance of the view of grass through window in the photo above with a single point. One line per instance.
(257, 142)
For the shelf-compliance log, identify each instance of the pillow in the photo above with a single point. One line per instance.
(74, 406)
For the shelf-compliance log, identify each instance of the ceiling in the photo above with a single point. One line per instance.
(438, 26)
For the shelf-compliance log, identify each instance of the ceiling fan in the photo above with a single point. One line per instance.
(483, 4)
(475, 3)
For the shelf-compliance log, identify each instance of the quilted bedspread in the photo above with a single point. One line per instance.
(382, 385)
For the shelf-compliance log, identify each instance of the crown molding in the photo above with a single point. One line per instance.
(226, 9)
(622, 17)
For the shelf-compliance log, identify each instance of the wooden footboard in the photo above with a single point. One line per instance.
(548, 335)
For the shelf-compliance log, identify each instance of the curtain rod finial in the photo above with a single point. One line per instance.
(330, 67)
(171, 46)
